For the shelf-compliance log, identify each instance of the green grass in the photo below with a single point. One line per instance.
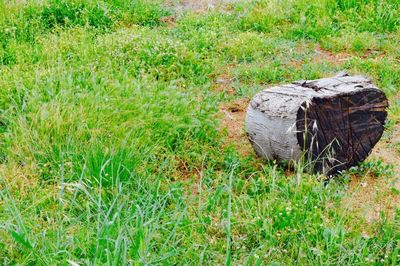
(110, 148)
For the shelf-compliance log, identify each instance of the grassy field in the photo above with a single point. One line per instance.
(122, 140)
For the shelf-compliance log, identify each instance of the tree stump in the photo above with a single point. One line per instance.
(333, 123)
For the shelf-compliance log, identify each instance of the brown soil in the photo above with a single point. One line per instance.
(339, 58)
(335, 59)
(224, 84)
(191, 177)
(233, 117)
(223, 80)
(375, 54)
(369, 196)
(169, 20)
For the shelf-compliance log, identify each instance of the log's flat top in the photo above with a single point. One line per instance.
(285, 99)
(325, 87)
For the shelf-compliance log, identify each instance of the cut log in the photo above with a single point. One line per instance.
(333, 123)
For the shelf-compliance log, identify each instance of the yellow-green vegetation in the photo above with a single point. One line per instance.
(111, 147)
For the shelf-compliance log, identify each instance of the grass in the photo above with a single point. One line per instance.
(110, 148)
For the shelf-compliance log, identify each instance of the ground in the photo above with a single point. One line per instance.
(122, 137)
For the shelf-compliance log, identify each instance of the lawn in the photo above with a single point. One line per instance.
(122, 137)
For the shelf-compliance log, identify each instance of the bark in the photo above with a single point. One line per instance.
(333, 123)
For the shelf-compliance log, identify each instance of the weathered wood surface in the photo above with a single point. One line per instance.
(333, 122)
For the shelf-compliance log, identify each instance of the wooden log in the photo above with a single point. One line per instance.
(333, 122)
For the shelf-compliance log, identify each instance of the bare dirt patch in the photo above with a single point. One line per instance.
(224, 84)
(191, 177)
(233, 118)
(333, 58)
(371, 196)
(375, 54)
(224, 81)
(169, 20)
(341, 57)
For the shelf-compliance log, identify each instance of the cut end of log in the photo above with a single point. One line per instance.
(334, 122)
(338, 132)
